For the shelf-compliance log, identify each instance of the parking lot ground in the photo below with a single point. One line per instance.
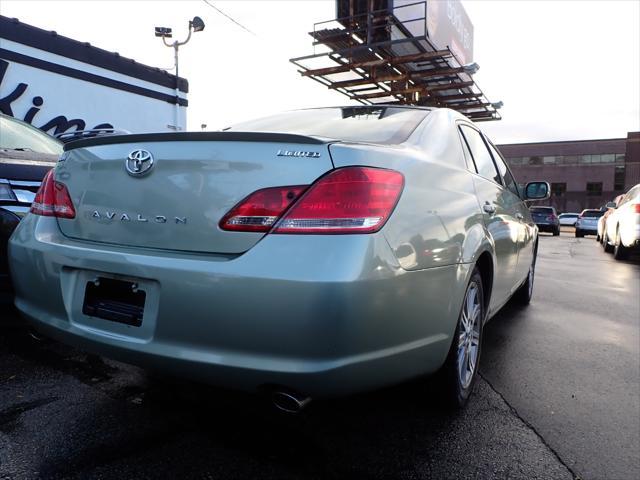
(558, 398)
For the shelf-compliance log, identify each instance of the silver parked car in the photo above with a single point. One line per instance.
(312, 253)
(587, 223)
(568, 219)
(622, 229)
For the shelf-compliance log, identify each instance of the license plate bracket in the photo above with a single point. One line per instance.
(115, 300)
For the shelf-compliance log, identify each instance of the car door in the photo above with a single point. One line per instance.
(499, 210)
(525, 225)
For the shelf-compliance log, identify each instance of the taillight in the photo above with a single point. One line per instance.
(635, 207)
(52, 199)
(260, 210)
(347, 200)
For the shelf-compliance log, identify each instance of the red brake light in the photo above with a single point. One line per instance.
(347, 200)
(636, 207)
(260, 210)
(52, 199)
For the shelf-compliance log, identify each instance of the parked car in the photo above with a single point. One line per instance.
(309, 254)
(602, 221)
(568, 219)
(26, 155)
(546, 219)
(587, 223)
(622, 230)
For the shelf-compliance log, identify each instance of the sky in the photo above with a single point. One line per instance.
(565, 70)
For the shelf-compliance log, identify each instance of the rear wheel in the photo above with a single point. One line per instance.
(524, 294)
(579, 234)
(460, 370)
(620, 252)
(605, 243)
(556, 232)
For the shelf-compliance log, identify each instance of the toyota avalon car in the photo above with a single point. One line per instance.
(313, 253)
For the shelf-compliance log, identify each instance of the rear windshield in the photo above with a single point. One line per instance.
(541, 209)
(592, 213)
(17, 135)
(568, 215)
(386, 125)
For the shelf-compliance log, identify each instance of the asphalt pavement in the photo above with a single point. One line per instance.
(558, 398)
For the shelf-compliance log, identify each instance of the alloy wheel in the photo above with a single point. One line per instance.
(469, 335)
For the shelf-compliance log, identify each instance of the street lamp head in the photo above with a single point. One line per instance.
(197, 24)
(163, 32)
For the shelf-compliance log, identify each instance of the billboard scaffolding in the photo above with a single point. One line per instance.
(381, 51)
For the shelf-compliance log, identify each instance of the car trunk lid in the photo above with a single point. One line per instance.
(194, 181)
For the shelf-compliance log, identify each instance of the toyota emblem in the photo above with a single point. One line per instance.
(139, 162)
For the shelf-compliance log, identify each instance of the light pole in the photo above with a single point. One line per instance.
(195, 25)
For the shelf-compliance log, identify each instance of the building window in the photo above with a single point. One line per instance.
(536, 160)
(558, 189)
(548, 160)
(619, 157)
(618, 178)
(607, 158)
(594, 189)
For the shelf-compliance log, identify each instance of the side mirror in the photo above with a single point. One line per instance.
(610, 205)
(537, 191)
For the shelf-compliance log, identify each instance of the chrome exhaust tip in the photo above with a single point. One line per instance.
(289, 402)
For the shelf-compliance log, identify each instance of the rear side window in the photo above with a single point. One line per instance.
(509, 181)
(481, 156)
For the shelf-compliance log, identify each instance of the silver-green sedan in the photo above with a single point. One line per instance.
(308, 254)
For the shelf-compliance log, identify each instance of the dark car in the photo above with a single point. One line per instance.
(546, 219)
(26, 155)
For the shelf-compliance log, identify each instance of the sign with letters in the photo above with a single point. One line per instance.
(61, 85)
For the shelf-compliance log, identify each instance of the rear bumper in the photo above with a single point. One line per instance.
(588, 228)
(324, 315)
(548, 227)
(630, 235)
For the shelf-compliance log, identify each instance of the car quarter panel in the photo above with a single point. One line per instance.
(323, 314)
(437, 220)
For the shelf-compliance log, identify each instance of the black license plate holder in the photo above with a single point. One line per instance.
(115, 300)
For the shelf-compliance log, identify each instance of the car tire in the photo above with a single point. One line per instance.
(620, 252)
(579, 234)
(598, 238)
(556, 232)
(460, 370)
(605, 243)
(524, 294)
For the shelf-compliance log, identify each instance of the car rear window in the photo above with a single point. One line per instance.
(17, 135)
(592, 213)
(386, 125)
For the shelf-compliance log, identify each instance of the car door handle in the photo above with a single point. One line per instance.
(488, 208)
(519, 216)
